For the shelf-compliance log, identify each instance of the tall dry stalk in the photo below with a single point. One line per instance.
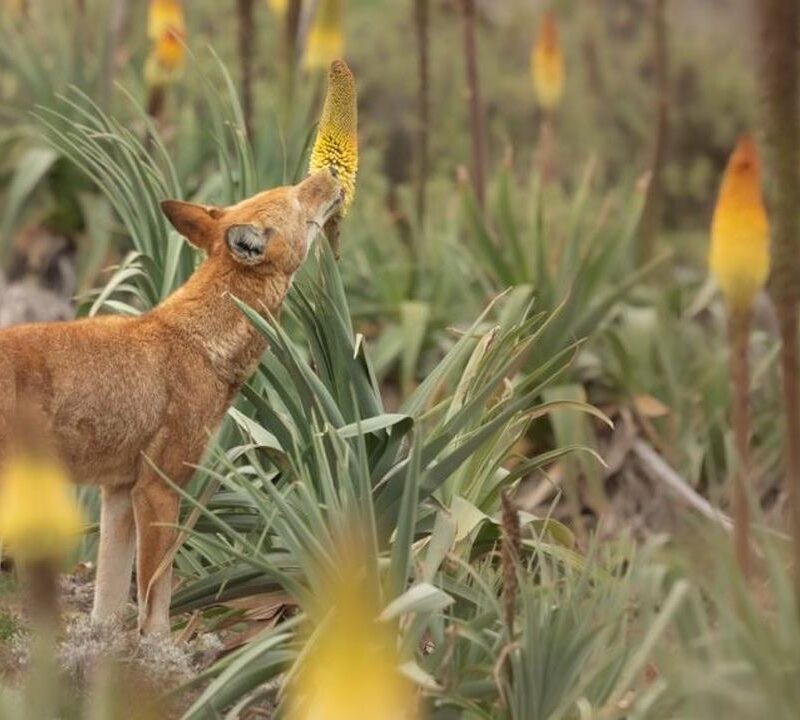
(651, 213)
(739, 259)
(738, 338)
(476, 109)
(247, 49)
(291, 55)
(548, 74)
(779, 35)
(116, 22)
(422, 26)
(509, 557)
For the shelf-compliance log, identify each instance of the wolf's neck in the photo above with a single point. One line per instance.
(203, 314)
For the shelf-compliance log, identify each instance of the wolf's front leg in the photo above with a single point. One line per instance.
(155, 506)
(115, 555)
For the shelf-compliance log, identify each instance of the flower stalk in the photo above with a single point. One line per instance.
(247, 49)
(739, 260)
(548, 72)
(166, 28)
(651, 212)
(779, 79)
(422, 28)
(475, 102)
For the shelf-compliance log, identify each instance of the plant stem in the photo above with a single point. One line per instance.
(545, 150)
(247, 35)
(422, 25)
(155, 102)
(509, 557)
(651, 213)
(779, 30)
(477, 122)
(41, 589)
(291, 52)
(116, 22)
(738, 337)
(787, 322)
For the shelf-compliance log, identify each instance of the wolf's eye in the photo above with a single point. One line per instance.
(248, 243)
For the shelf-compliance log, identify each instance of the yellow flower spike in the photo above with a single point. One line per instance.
(39, 518)
(337, 136)
(547, 64)
(16, 7)
(739, 256)
(163, 16)
(166, 60)
(351, 671)
(326, 38)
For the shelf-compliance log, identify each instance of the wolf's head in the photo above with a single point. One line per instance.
(267, 233)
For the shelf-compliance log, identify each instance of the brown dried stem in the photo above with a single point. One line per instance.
(738, 337)
(779, 30)
(651, 213)
(422, 25)
(476, 110)
(291, 49)
(247, 42)
(509, 557)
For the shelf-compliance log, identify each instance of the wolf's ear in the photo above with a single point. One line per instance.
(195, 222)
(248, 243)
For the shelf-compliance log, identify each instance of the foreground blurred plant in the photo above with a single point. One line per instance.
(351, 668)
(739, 260)
(326, 39)
(39, 519)
(39, 523)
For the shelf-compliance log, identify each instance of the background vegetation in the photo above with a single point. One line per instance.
(516, 411)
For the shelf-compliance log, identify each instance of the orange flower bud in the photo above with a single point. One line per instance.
(166, 59)
(547, 64)
(165, 16)
(739, 255)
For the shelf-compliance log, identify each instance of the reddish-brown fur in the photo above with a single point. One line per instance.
(124, 395)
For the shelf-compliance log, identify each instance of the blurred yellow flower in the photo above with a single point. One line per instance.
(351, 670)
(39, 517)
(278, 6)
(326, 38)
(739, 256)
(337, 136)
(166, 60)
(16, 7)
(547, 64)
(165, 16)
